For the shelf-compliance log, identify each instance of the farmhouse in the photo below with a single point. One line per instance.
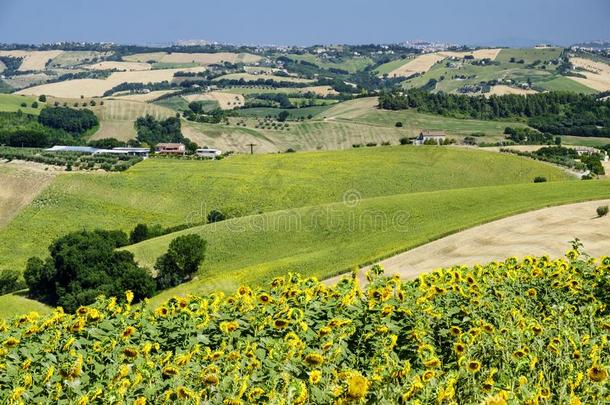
(171, 148)
(207, 152)
(427, 136)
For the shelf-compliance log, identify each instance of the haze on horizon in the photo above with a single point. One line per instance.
(474, 22)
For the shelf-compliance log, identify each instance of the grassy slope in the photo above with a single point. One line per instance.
(323, 240)
(13, 304)
(562, 83)
(12, 103)
(386, 68)
(173, 192)
(529, 55)
(351, 65)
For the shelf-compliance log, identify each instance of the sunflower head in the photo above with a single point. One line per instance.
(473, 366)
(597, 373)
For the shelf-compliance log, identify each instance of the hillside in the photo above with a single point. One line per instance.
(172, 192)
(341, 236)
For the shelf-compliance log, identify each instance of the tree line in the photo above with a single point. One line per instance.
(554, 112)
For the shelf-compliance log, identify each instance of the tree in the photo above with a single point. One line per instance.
(558, 140)
(42, 98)
(35, 104)
(139, 233)
(182, 260)
(283, 115)
(82, 266)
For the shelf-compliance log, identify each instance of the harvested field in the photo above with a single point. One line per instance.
(122, 66)
(21, 183)
(478, 54)
(420, 64)
(118, 116)
(73, 58)
(546, 231)
(32, 60)
(200, 58)
(226, 101)
(501, 90)
(97, 87)
(598, 74)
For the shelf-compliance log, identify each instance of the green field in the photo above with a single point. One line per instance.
(351, 65)
(13, 304)
(386, 68)
(251, 78)
(529, 55)
(12, 103)
(165, 65)
(562, 83)
(273, 112)
(326, 240)
(171, 192)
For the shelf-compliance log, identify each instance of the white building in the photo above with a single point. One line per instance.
(208, 153)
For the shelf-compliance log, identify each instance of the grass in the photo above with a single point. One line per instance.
(251, 77)
(562, 83)
(176, 103)
(529, 55)
(12, 103)
(584, 140)
(171, 192)
(351, 64)
(386, 68)
(165, 65)
(294, 112)
(13, 304)
(324, 240)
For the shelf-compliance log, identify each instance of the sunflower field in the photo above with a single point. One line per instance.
(531, 331)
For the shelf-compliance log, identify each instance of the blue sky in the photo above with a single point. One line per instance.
(503, 22)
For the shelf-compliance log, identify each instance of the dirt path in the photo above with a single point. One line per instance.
(545, 231)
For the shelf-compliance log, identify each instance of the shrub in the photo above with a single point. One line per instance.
(35, 104)
(539, 179)
(42, 98)
(10, 281)
(404, 141)
(602, 211)
(216, 216)
(139, 233)
(398, 124)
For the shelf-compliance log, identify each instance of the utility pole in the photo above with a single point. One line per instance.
(251, 145)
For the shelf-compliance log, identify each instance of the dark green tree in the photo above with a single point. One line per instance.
(181, 262)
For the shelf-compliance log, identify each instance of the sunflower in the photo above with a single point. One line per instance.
(597, 373)
(11, 342)
(537, 329)
(532, 293)
(161, 312)
(428, 375)
(255, 393)
(314, 359)
(545, 393)
(495, 400)
(432, 363)
(140, 401)
(488, 385)
(315, 376)
(264, 298)
(519, 353)
(576, 355)
(129, 296)
(128, 332)
(473, 366)
(170, 371)
(210, 379)
(280, 323)
(228, 327)
(459, 348)
(357, 386)
(455, 330)
(130, 352)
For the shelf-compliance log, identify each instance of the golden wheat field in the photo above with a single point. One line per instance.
(32, 60)
(598, 73)
(420, 64)
(123, 66)
(478, 54)
(97, 87)
(226, 101)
